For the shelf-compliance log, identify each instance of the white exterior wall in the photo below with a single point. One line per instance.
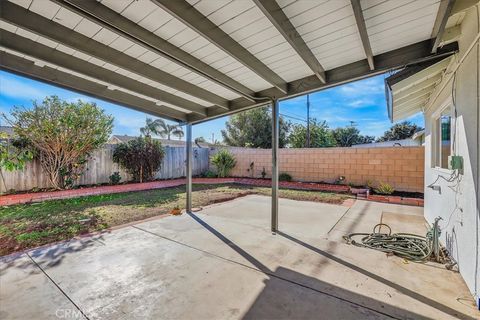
(459, 207)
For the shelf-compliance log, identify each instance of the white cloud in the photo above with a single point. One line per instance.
(18, 89)
(364, 87)
(360, 103)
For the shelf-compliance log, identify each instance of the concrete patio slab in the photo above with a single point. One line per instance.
(224, 263)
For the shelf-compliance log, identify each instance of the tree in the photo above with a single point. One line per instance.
(320, 135)
(141, 157)
(162, 129)
(349, 136)
(62, 135)
(150, 127)
(199, 140)
(399, 131)
(253, 128)
(14, 155)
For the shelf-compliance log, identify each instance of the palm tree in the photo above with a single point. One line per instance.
(162, 129)
(150, 127)
(199, 140)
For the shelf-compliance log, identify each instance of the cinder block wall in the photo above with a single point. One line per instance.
(401, 167)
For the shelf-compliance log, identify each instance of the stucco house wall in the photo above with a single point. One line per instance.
(457, 203)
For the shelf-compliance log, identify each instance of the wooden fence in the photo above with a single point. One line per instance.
(100, 167)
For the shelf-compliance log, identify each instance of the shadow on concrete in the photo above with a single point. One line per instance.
(48, 256)
(399, 288)
(289, 294)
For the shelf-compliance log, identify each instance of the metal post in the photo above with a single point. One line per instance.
(188, 172)
(275, 133)
(308, 121)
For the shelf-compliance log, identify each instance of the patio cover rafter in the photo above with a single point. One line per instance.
(190, 16)
(124, 27)
(392, 60)
(50, 55)
(443, 13)
(277, 17)
(362, 29)
(15, 64)
(35, 23)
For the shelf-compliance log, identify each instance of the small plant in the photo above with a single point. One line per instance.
(115, 178)
(176, 210)
(264, 173)
(284, 177)
(384, 188)
(340, 180)
(209, 174)
(224, 161)
(369, 184)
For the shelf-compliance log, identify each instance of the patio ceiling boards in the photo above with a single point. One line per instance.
(195, 60)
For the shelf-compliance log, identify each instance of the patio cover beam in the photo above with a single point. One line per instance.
(277, 17)
(44, 27)
(27, 68)
(50, 55)
(191, 17)
(444, 11)
(124, 27)
(362, 29)
(392, 60)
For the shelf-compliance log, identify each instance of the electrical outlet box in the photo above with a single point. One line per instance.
(455, 163)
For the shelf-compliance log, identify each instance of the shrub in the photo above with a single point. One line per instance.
(115, 178)
(384, 188)
(264, 173)
(141, 157)
(62, 135)
(284, 177)
(224, 161)
(209, 174)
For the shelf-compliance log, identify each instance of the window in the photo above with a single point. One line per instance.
(443, 138)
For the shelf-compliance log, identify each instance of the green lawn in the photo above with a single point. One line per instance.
(31, 225)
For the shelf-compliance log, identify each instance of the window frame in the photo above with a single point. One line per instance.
(437, 134)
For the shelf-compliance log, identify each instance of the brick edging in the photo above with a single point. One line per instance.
(397, 200)
(13, 199)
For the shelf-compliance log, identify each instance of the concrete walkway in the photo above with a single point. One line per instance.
(223, 263)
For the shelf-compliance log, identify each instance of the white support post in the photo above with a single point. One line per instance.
(275, 134)
(188, 163)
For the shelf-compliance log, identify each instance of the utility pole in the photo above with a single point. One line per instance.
(308, 121)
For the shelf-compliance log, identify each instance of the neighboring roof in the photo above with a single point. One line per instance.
(8, 130)
(194, 60)
(165, 142)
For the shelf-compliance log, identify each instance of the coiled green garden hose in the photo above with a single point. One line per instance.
(406, 245)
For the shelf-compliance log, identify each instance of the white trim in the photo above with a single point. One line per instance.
(436, 134)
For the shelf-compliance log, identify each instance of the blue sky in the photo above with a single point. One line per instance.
(362, 101)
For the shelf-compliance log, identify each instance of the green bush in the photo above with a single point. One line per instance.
(62, 135)
(224, 161)
(115, 178)
(384, 188)
(209, 174)
(284, 177)
(141, 157)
